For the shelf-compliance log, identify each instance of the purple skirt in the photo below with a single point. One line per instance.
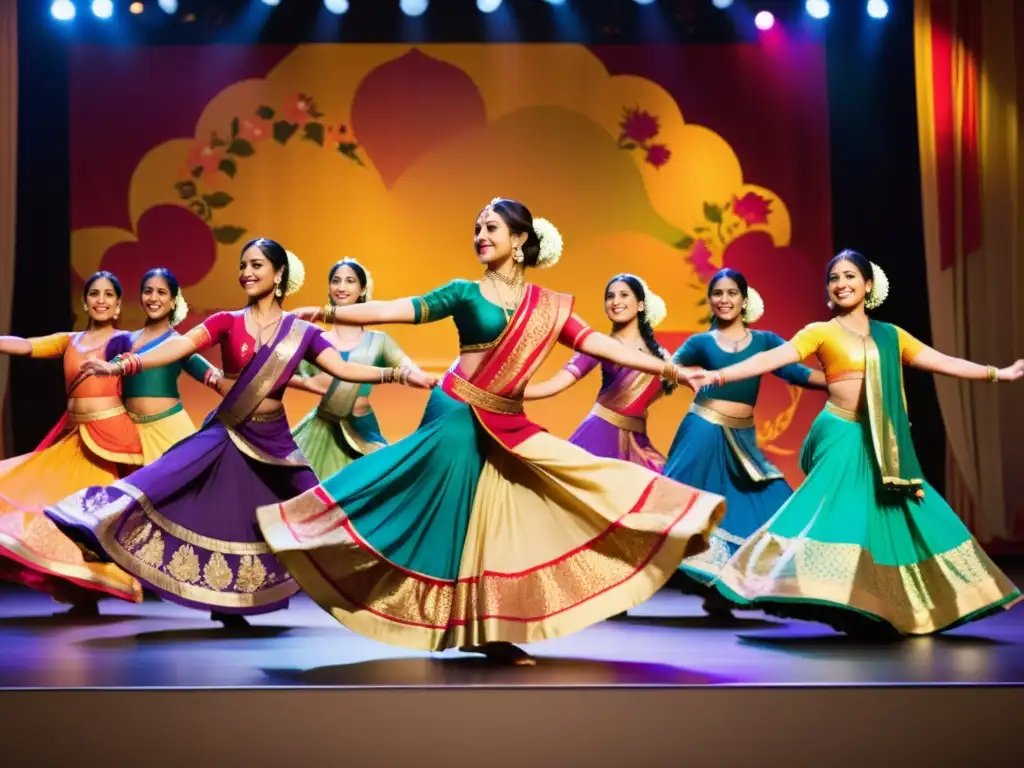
(185, 525)
(602, 438)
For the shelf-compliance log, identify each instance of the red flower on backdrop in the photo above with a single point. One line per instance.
(254, 129)
(336, 135)
(298, 109)
(657, 155)
(752, 208)
(203, 156)
(638, 125)
(700, 257)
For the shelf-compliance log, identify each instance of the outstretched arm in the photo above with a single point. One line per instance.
(15, 345)
(607, 348)
(933, 361)
(331, 363)
(370, 313)
(164, 353)
(560, 382)
(757, 365)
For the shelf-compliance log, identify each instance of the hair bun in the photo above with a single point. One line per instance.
(550, 243)
(754, 310)
(655, 309)
(879, 288)
(296, 274)
(180, 309)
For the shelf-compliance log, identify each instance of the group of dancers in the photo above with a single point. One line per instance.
(480, 530)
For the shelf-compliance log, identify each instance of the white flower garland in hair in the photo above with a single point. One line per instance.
(368, 289)
(754, 310)
(180, 310)
(550, 243)
(879, 288)
(654, 306)
(296, 274)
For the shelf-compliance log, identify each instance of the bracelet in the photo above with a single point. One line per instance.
(669, 373)
(993, 374)
(721, 378)
(387, 375)
(328, 312)
(128, 364)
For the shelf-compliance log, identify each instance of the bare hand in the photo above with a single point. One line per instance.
(1013, 372)
(99, 368)
(307, 313)
(421, 380)
(702, 379)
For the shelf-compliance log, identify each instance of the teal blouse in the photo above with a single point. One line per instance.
(702, 350)
(162, 382)
(480, 322)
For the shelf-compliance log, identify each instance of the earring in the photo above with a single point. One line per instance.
(830, 305)
(279, 293)
(519, 256)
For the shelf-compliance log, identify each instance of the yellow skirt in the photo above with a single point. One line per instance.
(33, 551)
(158, 433)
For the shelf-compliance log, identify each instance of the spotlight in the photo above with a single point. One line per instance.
(413, 7)
(643, 2)
(817, 8)
(271, 2)
(878, 9)
(136, 8)
(488, 6)
(764, 20)
(62, 10)
(721, 4)
(102, 9)
(554, 2)
(168, 6)
(336, 6)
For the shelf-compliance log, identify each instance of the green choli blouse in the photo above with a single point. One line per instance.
(480, 322)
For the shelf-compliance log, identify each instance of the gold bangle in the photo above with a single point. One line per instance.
(668, 372)
(993, 374)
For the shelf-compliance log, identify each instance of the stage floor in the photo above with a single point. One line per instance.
(665, 642)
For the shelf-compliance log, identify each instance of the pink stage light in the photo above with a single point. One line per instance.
(764, 20)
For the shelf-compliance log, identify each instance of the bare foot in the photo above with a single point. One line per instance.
(502, 653)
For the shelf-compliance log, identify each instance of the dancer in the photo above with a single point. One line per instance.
(480, 528)
(93, 443)
(151, 396)
(184, 525)
(343, 426)
(865, 544)
(716, 447)
(617, 426)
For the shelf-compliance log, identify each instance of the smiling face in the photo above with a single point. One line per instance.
(620, 303)
(493, 241)
(101, 301)
(726, 300)
(256, 273)
(847, 287)
(157, 300)
(345, 288)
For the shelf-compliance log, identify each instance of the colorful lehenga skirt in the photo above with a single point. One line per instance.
(612, 435)
(185, 524)
(458, 535)
(160, 431)
(33, 551)
(720, 454)
(845, 552)
(329, 443)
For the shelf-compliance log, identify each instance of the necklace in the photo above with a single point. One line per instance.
(262, 328)
(858, 334)
(514, 283)
(735, 345)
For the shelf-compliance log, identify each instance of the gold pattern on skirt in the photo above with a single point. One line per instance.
(629, 423)
(916, 599)
(481, 398)
(217, 573)
(184, 565)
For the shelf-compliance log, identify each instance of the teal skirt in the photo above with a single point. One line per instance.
(323, 442)
(701, 457)
(845, 552)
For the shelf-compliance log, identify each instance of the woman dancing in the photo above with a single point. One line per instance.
(617, 426)
(715, 447)
(94, 443)
(184, 525)
(343, 426)
(481, 529)
(151, 396)
(865, 544)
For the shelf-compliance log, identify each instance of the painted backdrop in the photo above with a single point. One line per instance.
(660, 160)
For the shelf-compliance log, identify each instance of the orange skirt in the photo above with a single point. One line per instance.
(33, 551)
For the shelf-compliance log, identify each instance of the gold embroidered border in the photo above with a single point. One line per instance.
(844, 376)
(424, 309)
(265, 418)
(141, 418)
(294, 459)
(720, 419)
(628, 423)
(84, 573)
(626, 396)
(263, 380)
(86, 418)
(481, 398)
(184, 534)
(339, 399)
(842, 413)
(916, 599)
(132, 459)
